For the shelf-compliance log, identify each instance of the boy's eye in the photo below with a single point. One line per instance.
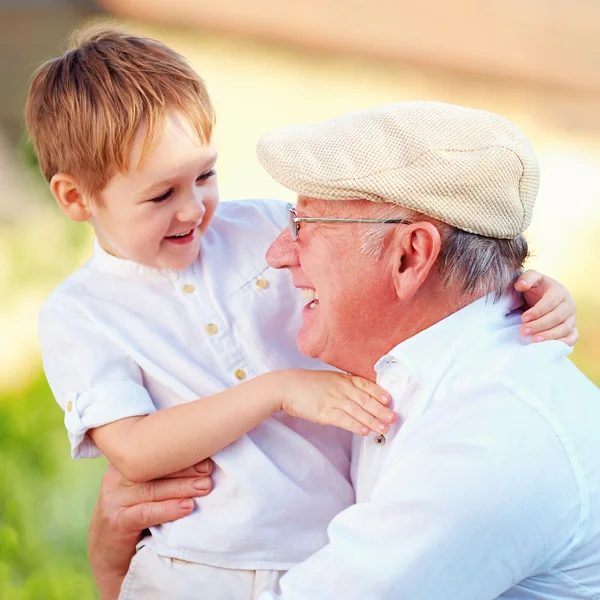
(162, 197)
(206, 175)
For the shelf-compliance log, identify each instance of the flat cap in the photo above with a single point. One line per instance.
(469, 168)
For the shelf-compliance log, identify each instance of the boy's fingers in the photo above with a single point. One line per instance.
(365, 418)
(557, 316)
(149, 514)
(528, 280)
(555, 333)
(570, 339)
(547, 304)
(342, 419)
(373, 407)
(372, 389)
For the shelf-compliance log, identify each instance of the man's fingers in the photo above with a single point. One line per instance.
(149, 514)
(201, 469)
(167, 489)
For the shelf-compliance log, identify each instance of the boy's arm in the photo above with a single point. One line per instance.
(147, 447)
(144, 448)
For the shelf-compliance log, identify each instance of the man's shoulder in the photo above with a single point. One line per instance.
(543, 373)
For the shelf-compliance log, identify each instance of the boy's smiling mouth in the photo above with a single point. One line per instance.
(182, 238)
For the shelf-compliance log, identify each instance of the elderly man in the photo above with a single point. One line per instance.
(489, 484)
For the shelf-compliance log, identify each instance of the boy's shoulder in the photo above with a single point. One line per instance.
(71, 287)
(253, 212)
(240, 234)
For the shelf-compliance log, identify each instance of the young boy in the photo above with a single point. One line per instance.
(174, 342)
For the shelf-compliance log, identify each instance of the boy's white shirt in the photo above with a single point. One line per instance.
(120, 339)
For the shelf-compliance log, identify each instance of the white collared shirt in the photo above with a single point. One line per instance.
(487, 487)
(120, 339)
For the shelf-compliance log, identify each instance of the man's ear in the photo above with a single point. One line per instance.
(69, 197)
(415, 251)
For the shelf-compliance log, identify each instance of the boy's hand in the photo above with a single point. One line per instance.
(552, 314)
(329, 398)
(125, 509)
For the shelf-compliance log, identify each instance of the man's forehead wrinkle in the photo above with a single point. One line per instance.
(314, 206)
(317, 207)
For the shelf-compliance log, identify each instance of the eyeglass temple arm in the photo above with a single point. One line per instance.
(324, 220)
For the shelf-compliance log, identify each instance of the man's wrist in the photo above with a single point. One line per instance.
(109, 563)
(108, 570)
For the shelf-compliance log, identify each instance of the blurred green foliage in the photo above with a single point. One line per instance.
(46, 498)
(45, 502)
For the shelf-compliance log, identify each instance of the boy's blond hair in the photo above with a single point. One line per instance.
(85, 108)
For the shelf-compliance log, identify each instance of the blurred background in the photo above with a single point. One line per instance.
(269, 63)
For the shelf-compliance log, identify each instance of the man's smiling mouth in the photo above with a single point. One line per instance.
(312, 295)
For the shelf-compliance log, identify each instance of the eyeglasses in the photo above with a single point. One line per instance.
(294, 221)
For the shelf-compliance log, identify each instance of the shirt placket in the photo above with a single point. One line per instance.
(217, 332)
(394, 378)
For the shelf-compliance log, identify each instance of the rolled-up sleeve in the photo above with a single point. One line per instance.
(92, 379)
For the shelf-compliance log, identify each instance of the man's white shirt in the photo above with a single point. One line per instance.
(487, 487)
(120, 339)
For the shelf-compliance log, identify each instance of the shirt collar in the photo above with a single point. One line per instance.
(426, 351)
(122, 266)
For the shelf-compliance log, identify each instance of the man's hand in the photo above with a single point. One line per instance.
(552, 315)
(125, 509)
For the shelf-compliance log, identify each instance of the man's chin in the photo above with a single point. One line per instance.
(306, 344)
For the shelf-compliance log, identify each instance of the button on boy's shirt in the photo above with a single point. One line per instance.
(121, 339)
(487, 486)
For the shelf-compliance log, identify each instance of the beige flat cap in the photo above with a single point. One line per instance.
(469, 168)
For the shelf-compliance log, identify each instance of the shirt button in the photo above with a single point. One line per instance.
(261, 283)
(188, 288)
(211, 329)
(380, 440)
(240, 374)
(69, 406)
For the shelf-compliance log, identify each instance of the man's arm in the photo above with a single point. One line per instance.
(457, 512)
(125, 509)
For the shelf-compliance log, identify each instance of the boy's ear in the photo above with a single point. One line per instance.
(69, 197)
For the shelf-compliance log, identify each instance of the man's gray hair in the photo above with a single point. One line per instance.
(478, 265)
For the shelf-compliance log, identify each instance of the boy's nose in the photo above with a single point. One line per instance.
(283, 252)
(193, 210)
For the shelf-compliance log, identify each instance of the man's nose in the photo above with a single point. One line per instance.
(283, 252)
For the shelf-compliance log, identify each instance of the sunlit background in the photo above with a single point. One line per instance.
(269, 63)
